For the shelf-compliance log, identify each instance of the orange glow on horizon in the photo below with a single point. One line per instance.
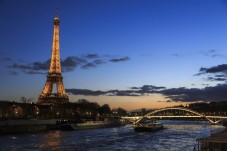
(130, 103)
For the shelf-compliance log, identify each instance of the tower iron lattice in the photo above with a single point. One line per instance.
(54, 77)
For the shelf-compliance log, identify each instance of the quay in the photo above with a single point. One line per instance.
(23, 125)
(215, 142)
(39, 125)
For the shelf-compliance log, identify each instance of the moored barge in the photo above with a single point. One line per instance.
(147, 125)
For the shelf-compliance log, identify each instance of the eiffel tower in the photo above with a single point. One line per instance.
(54, 77)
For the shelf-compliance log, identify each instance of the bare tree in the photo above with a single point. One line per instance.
(25, 100)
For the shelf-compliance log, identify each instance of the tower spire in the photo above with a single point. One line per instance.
(54, 75)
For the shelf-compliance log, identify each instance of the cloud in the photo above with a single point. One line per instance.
(33, 66)
(216, 78)
(175, 55)
(68, 64)
(13, 73)
(208, 94)
(183, 94)
(89, 65)
(135, 88)
(146, 89)
(212, 53)
(85, 92)
(91, 56)
(17, 66)
(119, 59)
(92, 64)
(215, 69)
(216, 73)
(151, 88)
(134, 91)
(122, 93)
(4, 58)
(99, 61)
(41, 65)
(7, 59)
(33, 72)
(208, 53)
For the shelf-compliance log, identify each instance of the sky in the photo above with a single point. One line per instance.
(126, 53)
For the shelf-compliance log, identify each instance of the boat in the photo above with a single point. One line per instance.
(66, 125)
(97, 124)
(147, 125)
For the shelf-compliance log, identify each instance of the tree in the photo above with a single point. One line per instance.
(83, 101)
(25, 100)
(119, 112)
(104, 110)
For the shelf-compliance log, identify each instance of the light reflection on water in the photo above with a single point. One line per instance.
(177, 135)
(51, 140)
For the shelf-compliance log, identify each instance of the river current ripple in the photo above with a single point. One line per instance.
(176, 136)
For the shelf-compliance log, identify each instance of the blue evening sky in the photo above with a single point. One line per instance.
(155, 42)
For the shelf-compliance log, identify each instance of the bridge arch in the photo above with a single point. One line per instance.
(175, 108)
(152, 113)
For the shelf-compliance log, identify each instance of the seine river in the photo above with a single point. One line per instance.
(177, 136)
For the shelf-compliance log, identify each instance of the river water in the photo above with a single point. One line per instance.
(176, 136)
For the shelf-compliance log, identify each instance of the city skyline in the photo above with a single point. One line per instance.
(131, 54)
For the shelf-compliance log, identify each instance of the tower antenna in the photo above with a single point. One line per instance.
(56, 12)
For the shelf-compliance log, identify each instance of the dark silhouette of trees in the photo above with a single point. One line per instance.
(25, 100)
(86, 107)
(211, 108)
(105, 110)
(119, 112)
(81, 110)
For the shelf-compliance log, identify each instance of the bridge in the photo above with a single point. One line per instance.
(178, 112)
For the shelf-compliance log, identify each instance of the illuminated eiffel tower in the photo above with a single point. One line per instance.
(54, 77)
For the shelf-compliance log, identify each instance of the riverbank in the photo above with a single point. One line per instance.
(216, 141)
(38, 125)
